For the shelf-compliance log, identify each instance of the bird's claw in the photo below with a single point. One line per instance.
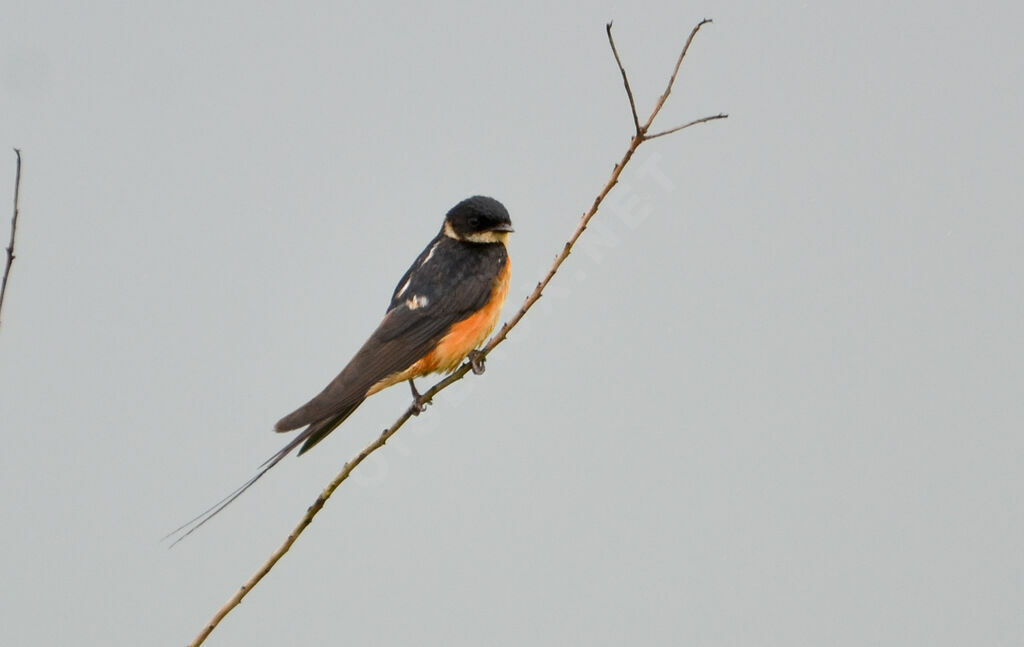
(476, 362)
(417, 407)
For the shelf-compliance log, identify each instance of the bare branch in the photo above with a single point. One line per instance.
(675, 71)
(307, 519)
(14, 229)
(686, 125)
(625, 79)
(497, 339)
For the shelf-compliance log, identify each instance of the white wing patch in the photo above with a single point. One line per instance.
(416, 302)
(430, 254)
(404, 288)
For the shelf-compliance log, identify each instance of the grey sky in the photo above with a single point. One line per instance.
(774, 399)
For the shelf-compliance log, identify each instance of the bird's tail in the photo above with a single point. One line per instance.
(319, 430)
(309, 437)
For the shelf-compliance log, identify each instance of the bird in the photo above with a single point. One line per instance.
(441, 311)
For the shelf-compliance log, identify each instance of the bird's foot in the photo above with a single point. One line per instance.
(417, 406)
(476, 362)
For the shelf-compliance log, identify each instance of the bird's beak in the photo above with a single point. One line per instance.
(503, 227)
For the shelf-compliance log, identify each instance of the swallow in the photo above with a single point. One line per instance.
(442, 310)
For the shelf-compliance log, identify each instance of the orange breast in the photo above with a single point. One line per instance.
(469, 333)
(463, 337)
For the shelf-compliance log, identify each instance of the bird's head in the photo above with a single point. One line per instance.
(478, 220)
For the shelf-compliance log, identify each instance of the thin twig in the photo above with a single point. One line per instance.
(686, 125)
(675, 71)
(459, 373)
(14, 229)
(625, 79)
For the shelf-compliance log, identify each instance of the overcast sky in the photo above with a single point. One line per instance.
(775, 398)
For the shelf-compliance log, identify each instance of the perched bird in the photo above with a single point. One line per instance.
(442, 310)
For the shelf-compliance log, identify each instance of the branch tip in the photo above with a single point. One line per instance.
(14, 228)
(672, 79)
(702, 120)
(625, 80)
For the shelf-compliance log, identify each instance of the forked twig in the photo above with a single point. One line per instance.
(498, 338)
(14, 229)
(672, 79)
(625, 79)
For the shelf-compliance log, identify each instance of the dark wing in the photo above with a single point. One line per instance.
(405, 282)
(383, 353)
(458, 285)
(450, 286)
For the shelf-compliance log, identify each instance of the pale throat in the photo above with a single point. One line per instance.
(477, 237)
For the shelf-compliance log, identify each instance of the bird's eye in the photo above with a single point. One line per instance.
(474, 221)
